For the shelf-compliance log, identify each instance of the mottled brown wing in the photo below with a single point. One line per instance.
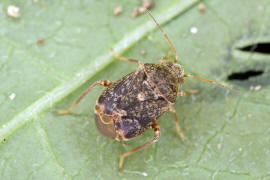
(110, 96)
(122, 94)
(135, 100)
(164, 80)
(140, 116)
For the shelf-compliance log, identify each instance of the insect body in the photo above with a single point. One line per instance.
(129, 106)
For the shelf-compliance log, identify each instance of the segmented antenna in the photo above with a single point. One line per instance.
(176, 58)
(165, 35)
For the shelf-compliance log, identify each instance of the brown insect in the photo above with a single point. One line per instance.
(129, 106)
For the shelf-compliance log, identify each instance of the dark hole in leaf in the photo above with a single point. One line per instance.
(259, 48)
(244, 75)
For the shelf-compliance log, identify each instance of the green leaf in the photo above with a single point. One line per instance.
(228, 134)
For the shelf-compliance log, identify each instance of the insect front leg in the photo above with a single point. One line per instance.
(188, 91)
(210, 82)
(177, 125)
(125, 58)
(105, 83)
(155, 127)
(165, 58)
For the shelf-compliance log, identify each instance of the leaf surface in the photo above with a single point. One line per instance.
(228, 134)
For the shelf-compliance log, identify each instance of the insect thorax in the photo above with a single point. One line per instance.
(166, 78)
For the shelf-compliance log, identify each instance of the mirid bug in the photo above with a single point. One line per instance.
(129, 106)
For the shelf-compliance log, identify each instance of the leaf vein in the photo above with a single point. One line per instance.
(48, 148)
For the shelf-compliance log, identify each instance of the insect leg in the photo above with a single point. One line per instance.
(162, 59)
(125, 58)
(165, 58)
(210, 82)
(100, 82)
(188, 91)
(178, 128)
(169, 55)
(155, 127)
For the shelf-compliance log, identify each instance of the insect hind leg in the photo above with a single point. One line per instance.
(155, 127)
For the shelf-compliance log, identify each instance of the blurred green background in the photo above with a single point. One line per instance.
(56, 49)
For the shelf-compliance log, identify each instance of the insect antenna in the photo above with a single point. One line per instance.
(176, 57)
(164, 34)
